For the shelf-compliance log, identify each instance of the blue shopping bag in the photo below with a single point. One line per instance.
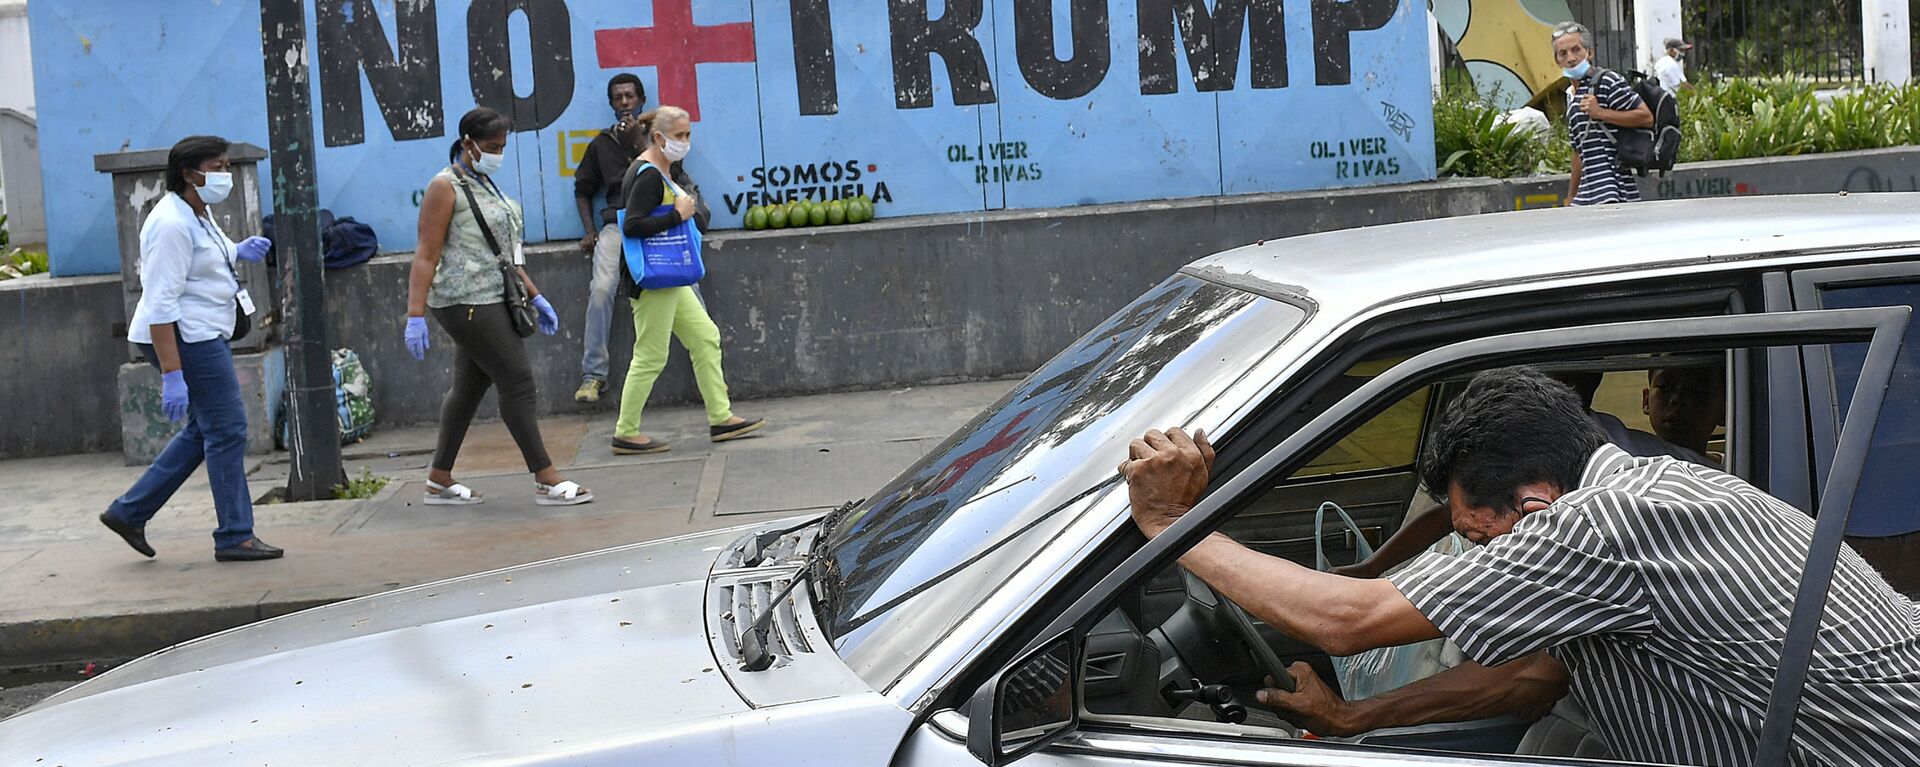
(670, 259)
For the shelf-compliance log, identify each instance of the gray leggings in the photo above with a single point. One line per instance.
(487, 352)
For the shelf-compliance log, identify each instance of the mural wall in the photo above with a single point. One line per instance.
(1505, 44)
(925, 106)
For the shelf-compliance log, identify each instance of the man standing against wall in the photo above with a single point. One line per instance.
(1598, 102)
(602, 169)
(1668, 69)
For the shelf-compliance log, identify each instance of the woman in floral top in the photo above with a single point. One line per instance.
(457, 274)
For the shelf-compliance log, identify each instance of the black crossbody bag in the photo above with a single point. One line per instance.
(519, 301)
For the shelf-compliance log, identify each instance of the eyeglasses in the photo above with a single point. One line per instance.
(1520, 508)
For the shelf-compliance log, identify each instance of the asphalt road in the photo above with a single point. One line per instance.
(12, 699)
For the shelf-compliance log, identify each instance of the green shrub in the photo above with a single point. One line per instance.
(1470, 140)
(19, 263)
(1861, 119)
(366, 485)
(1727, 120)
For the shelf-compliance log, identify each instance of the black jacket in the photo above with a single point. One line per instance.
(600, 170)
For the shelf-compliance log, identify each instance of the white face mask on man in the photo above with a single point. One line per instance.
(215, 187)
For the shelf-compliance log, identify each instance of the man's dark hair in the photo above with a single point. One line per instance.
(627, 78)
(1512, 426)
(187, 155)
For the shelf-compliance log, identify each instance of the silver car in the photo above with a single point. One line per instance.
(994, 603)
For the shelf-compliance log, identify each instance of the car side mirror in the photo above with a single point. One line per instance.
(1029, 705)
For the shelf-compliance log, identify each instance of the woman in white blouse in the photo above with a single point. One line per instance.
(191, 306)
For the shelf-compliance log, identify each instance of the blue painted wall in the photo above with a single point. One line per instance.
(1039, 103)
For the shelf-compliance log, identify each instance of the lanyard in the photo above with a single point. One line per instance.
(485, 179)
(220, 243)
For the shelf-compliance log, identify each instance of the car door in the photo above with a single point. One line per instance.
(944, 739)
(1885, 525)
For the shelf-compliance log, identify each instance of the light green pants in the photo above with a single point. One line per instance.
(675, 312)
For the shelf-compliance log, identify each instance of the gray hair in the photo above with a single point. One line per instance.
(1574, 28)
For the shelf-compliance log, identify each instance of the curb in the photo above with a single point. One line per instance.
(114, 637)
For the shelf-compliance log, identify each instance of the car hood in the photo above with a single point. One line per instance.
(591, 649)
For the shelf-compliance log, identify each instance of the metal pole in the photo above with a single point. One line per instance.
(312, 419)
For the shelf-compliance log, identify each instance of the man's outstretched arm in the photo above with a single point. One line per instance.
(1167, 473)
(1527, 687)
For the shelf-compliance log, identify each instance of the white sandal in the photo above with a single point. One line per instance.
(455, 494)
(567, 493)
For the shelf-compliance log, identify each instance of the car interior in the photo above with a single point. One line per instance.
(1176, 650)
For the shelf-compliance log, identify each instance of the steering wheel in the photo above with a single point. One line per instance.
(1229, 615)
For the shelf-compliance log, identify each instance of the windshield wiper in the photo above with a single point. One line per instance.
(754, 654)
(753, 640)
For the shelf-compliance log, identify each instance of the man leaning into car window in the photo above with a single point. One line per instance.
(1654, 591)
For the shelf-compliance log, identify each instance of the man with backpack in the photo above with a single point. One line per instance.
(1601, 109)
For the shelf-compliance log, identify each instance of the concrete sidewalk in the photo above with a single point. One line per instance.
(75, 592)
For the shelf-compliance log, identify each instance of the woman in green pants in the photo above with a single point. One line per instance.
(677, 312)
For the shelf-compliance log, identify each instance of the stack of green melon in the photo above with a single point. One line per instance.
(805, 213)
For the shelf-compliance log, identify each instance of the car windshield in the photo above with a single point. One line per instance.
(983, 502)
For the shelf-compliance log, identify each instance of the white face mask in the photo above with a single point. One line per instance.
(488, 164)
(216, 187)
(676, 150)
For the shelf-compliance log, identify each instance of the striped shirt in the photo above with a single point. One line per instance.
(1602, 180)
(1665, 588)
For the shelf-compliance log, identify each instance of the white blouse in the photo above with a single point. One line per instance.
(186, 275)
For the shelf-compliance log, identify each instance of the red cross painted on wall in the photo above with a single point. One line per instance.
(674, 45)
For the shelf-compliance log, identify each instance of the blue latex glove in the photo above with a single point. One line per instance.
(549, 322)
(417, 337)
(253, 249)
(173, 395)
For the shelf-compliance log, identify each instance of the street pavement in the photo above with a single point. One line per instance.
(76, 593)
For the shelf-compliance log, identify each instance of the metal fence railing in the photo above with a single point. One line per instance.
(1815, 39)
(1611, 22)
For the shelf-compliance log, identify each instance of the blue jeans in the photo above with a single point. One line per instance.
(604, 290)
(216, 432)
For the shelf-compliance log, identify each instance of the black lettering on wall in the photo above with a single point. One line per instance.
(819, 85)
(1333, 20)
(405, 87)
(1212, 42)
(1034, 46)
(490, 67)
(916, 39)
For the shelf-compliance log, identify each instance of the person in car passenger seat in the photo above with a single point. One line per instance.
(1610, 578)
(1685, 404)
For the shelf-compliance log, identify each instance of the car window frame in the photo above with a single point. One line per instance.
(1711, 333)
(1807, 290)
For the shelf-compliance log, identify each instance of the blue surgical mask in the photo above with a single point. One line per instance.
(1578, 72)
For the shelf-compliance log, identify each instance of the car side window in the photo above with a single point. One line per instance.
(1884, 526)
(1390, 440)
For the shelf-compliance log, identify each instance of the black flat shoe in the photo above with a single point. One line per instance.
(736, 431)
(250, 550)
(134, 536)
(630, 447)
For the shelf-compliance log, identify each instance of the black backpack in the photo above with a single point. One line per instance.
(1645, 150)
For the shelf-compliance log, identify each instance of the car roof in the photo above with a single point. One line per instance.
(1372, 265)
